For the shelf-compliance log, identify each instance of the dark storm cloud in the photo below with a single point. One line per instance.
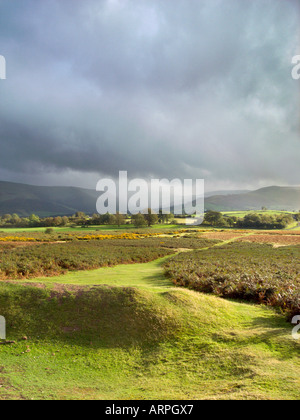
(159, 88)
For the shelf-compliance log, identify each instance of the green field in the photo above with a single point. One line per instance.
(125, 332)
(260, 212)
(101, 228)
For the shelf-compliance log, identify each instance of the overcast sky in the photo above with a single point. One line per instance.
(160, 88)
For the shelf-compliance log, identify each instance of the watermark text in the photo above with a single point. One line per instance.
(296, 68)
(2, 67)
(296, 321)
(2, 328)
(138, 196)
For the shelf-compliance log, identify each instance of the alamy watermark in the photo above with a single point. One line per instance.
(2, 67)
(296, 68)
(2, 328)
(137, 196)
(296, 321)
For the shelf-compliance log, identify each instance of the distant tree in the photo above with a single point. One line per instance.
(34, 220)
(286, 220)
(95, 219)
(80, 215)
(265, 221)
(104, 219)
(151, 217)
(120, 219)
(65, 221)
(25, 221)
(252, 220)
(57, 221)
(214, 218)
(230, 221)
(138, 220)
(112, 219)
(165, 218)
(16, 219)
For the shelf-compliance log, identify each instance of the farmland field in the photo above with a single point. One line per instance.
(260, 212)
(276, 240)
(100, 315)
(269, 237)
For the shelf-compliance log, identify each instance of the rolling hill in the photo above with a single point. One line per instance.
(273, 198)
(25, 199)
(224, 192)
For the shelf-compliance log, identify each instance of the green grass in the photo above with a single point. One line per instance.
(94, 228)
(126, 333)
(148, 276)
(294, 226)
(105, 228)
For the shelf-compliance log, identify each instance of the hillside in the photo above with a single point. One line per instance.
(52, 201)
(273, 198)
(224, 192)
(45, 201)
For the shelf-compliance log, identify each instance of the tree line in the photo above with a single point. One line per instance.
(250, 221)
(84, 220)
(211, 218)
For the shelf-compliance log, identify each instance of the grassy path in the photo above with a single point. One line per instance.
(144, 275)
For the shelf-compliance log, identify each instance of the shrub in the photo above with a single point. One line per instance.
(49, 231)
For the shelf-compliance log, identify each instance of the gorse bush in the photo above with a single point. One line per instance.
(252, 272)
(83, 236)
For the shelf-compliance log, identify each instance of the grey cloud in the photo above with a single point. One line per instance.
(169, 89)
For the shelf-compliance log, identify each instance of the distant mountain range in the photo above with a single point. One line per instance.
(224, 192)
(273, 198)
(25, 199)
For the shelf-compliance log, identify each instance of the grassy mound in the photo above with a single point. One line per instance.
(128, 343)
(107, 316)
